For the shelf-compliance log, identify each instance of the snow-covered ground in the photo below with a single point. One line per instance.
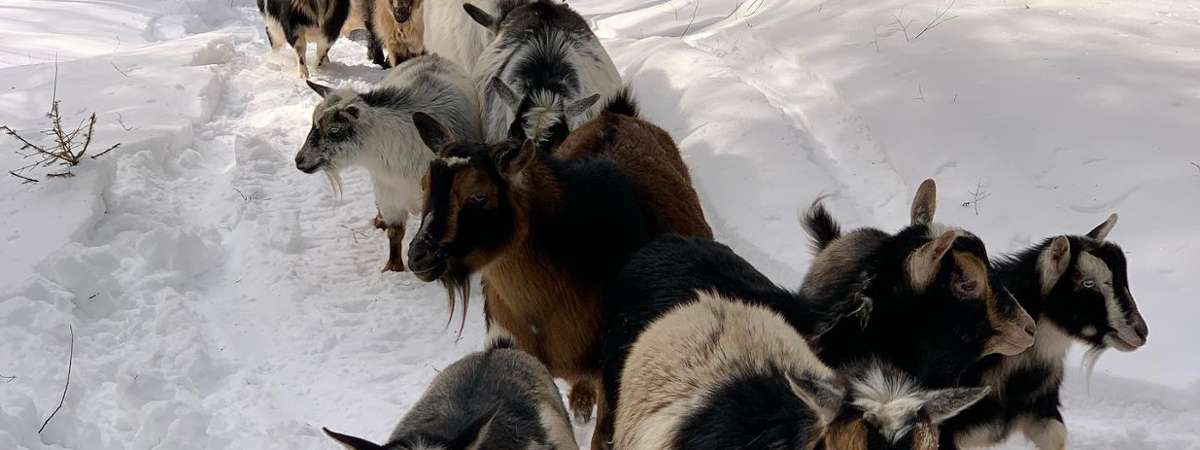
(221, 299)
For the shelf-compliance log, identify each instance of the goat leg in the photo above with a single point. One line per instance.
(395, 235)
(582, 399)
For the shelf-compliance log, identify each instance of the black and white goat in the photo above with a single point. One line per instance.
(1078, 289)
(296, 22)
(374, 130)
(720, 373)
(921, 302)
(545, 70)
(937, 304)
(500, 398)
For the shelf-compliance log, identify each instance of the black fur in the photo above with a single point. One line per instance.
(1033, 390)
(374, 44)
(294, 21)
(600, 204)
(754, 411)
(623, 103)
(821, 227)
(667, 273)
(544, 69)
(934, 336)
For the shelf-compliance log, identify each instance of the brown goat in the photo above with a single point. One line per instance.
(396, 30)
(549, 231)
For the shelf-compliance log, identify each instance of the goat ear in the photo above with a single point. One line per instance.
(320, 89)
(1101, 231)
(480, 16)
(512, 162)
(506, 93)
(823, 398)
(1053, 262)
(476, 433)
(923, 263)
(943, 404)
(432, 132)
(351, 442)
(582, 105)
(924, 203)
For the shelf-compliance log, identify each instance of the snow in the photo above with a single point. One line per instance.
(222, 299)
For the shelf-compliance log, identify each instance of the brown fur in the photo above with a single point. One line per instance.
(400, 41)
(357, 18)
(649, 154)
(568, 316)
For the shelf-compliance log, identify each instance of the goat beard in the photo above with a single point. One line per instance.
(335, 181)
(1090, 358)
(457, 281)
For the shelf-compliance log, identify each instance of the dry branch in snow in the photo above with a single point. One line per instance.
(67, 149)
(70, 362)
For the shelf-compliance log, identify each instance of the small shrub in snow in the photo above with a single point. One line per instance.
(66, 150)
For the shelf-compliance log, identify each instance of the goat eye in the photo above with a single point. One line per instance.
(1088, 283)
(478, 199)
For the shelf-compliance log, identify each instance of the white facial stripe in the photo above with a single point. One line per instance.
(1095, 269)
(455, 161)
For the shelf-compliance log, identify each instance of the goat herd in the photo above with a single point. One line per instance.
(504, 124)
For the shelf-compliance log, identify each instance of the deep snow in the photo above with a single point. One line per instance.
(222, 299)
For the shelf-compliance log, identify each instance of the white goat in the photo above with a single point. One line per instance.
(374, 130)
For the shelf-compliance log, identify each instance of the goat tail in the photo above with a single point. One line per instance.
(821, 227)
(622, 103)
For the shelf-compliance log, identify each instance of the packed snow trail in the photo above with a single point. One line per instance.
(222, 299)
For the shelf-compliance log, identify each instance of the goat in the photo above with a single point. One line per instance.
(396, 30)
(719, 373)
(667, 273)
(500, 398)
(548, 232)
(1078, 289)
(539, 71)
(937, 304)
(298, 21)
(374, 130)
(454, 35)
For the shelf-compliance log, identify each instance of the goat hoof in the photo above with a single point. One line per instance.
(393, 266)
(582, 399)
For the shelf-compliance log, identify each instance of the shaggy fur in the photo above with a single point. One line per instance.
(936, 304)
(550, 63)
(667, 273)
(524, 219)
(500, 398)
(374, 130)
(1078, 289)
(721, 373)
(296, 22)
(396, 30)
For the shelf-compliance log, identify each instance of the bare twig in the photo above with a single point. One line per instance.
(121, 121)
(26, 180)
(876, 39)
(901, 25)
(7, 378)
(939, 18)
(114, 147)
(70, 362)
(976, 196)
(118, 69)
(1197, 165)
(920, 93)
(692, 21)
